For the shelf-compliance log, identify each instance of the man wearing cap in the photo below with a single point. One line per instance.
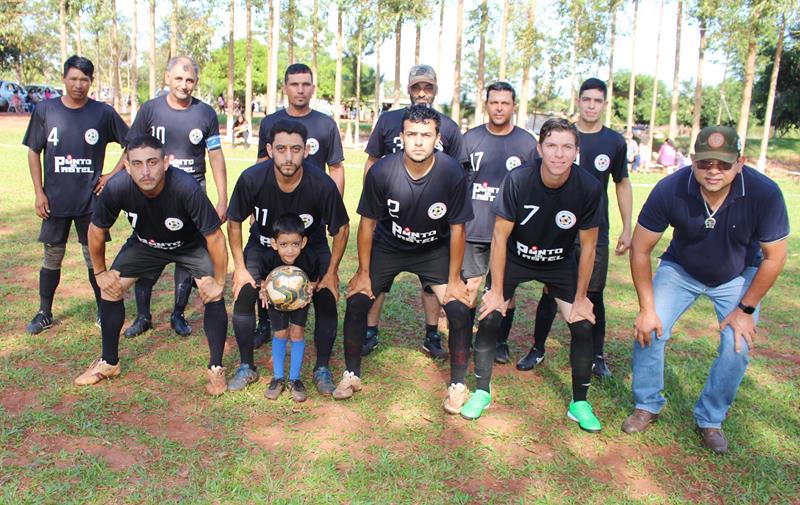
(385, 139)
(729, 243)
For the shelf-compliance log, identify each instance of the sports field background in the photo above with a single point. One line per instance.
(153, 436)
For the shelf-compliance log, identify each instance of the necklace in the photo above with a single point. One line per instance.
(710, 221)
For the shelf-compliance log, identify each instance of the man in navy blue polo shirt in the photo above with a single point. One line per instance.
(722, 213)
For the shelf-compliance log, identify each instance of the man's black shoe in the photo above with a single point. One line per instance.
(179, 324)
(530, 360)
(39, 323)
(370, 342)
(433, 346)
(262, 334)
(501, 354)
(140, 325)
(600, 368)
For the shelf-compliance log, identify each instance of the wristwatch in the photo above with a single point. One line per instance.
(747, 309)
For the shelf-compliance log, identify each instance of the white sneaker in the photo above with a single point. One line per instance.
(457, 395)
(349, 384)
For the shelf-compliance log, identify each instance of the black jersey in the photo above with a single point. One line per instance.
(324, 142)
(601, 154)
(178, 217)
(74, 143)
(307, 261)
(546, 220)
(415, 215)
(316, 200)
(185, 133)
(385, 138)
(491, 158)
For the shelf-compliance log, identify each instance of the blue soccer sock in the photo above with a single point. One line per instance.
(278, 356)
(296, 360)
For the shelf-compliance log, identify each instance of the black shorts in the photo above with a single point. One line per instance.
(476, 260)
(432, 267)
(254, 253)
(561, 279)
(280, 320)
(597, 282)
(55, 230)
(138, 260)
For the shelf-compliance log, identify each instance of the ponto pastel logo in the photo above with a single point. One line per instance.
(602, 162)
(437, 210)
(173, 223)
(308, 219)
(565, 220)
(313, 146)
(91, 136)
(512, 163)
(195, 136)
(716, 140)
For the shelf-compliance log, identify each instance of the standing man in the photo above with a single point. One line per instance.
(495, 149)
(387, 138)
(73, 131)
(540, 211)
(721, 212)
(283, 184)
(603, 152)
(187, 127)
(173, 222)
(413, 209)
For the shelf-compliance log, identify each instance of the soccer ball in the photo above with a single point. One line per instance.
(287, 288)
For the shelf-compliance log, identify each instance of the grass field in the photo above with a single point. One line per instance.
(153, 436)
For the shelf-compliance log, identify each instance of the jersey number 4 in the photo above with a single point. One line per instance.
(533, 209)
(53, 136)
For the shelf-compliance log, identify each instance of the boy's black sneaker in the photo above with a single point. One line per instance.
(140, 325)
(298, 390)
(275, 388)
(530, 360)
(262, 334)
(370, 342)
(39, 323)
(501, 354)
(433, 346)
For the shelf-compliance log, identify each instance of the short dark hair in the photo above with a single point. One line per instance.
(145, 141)
(288, 126)
(557, 124)
(288, 223)
(85, 65)
(593, 83)
(501, 86)
(297, 68)
(421, 114)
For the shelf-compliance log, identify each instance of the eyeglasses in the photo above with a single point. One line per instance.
(709, 164)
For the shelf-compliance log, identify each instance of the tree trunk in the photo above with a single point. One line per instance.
(273, 56)
(417, 38)
(314, 37)
(291, 15)
(62, 21)
(632, 81)
(773, 83)
(98, 67)
(441, 37)
(248, 75)
(484, 25)
(522, 116)
(359, 48)
(654, 101)
(503, 52)
(722, 91)
(152, 48)
(337, 97)
(398, 29)
(229, 99)
(456, 110)
(676, 81)
(610, 84)
(173, 30)
(134, 68)
(115, 58)
(747, 92)
(573, 68)
(378, 28)
(698, 87)
(78, 44)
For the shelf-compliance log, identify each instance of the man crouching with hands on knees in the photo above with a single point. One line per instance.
(173, 222)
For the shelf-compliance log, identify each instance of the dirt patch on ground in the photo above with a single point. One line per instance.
(37, 449)
(16, 400)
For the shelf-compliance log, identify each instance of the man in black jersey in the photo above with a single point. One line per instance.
(73, 131)
(173, 222)
(286, 184)
(387, 138)
(540, 210)
(603, 152)
(188, 128)
(495, 149)
(413, 208)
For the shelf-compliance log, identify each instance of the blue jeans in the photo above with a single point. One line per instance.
(674, 291)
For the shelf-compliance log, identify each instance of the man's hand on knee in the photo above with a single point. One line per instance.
(210, 289)
(110, 285)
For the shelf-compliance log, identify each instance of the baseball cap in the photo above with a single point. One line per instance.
(421, 73)
(717, 143)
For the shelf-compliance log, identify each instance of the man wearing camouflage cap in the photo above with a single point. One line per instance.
(729, 243)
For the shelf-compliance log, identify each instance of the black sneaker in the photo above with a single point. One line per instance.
(501, 354)
(39, 323)
(323, 380)
(275, 388)
(179, 324)
(600, 368)
(140, 325)
(298, 390)
(262, 334)
(433, 346)
(530, 360)
(370, 342)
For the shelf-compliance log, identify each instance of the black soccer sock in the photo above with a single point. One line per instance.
(48, 282)
(485, 347)
(599, 329)
(263, 316)
(183, 288)
(143, 290)
(580, 357)
(355, 326)
(545, 314)
(505, 326)
(95, 288)
(431, 329)
(244, 323)
(110, 326)
(325, 323)
(472, 313)
(460, 340)
(215, 324)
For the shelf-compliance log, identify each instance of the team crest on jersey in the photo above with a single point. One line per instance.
(195, 136)
(308, 219)
(513, 162)
(173, 223)
(602, 162)
(313, 146)
(565, 220)
(437, 210)
(91, 136)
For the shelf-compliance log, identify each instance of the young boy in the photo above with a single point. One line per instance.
(288, 243)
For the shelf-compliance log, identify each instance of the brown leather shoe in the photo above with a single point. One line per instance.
(639, 421)
(714, 439)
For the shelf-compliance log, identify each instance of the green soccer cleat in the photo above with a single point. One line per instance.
(581, 413)
(477, 403)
